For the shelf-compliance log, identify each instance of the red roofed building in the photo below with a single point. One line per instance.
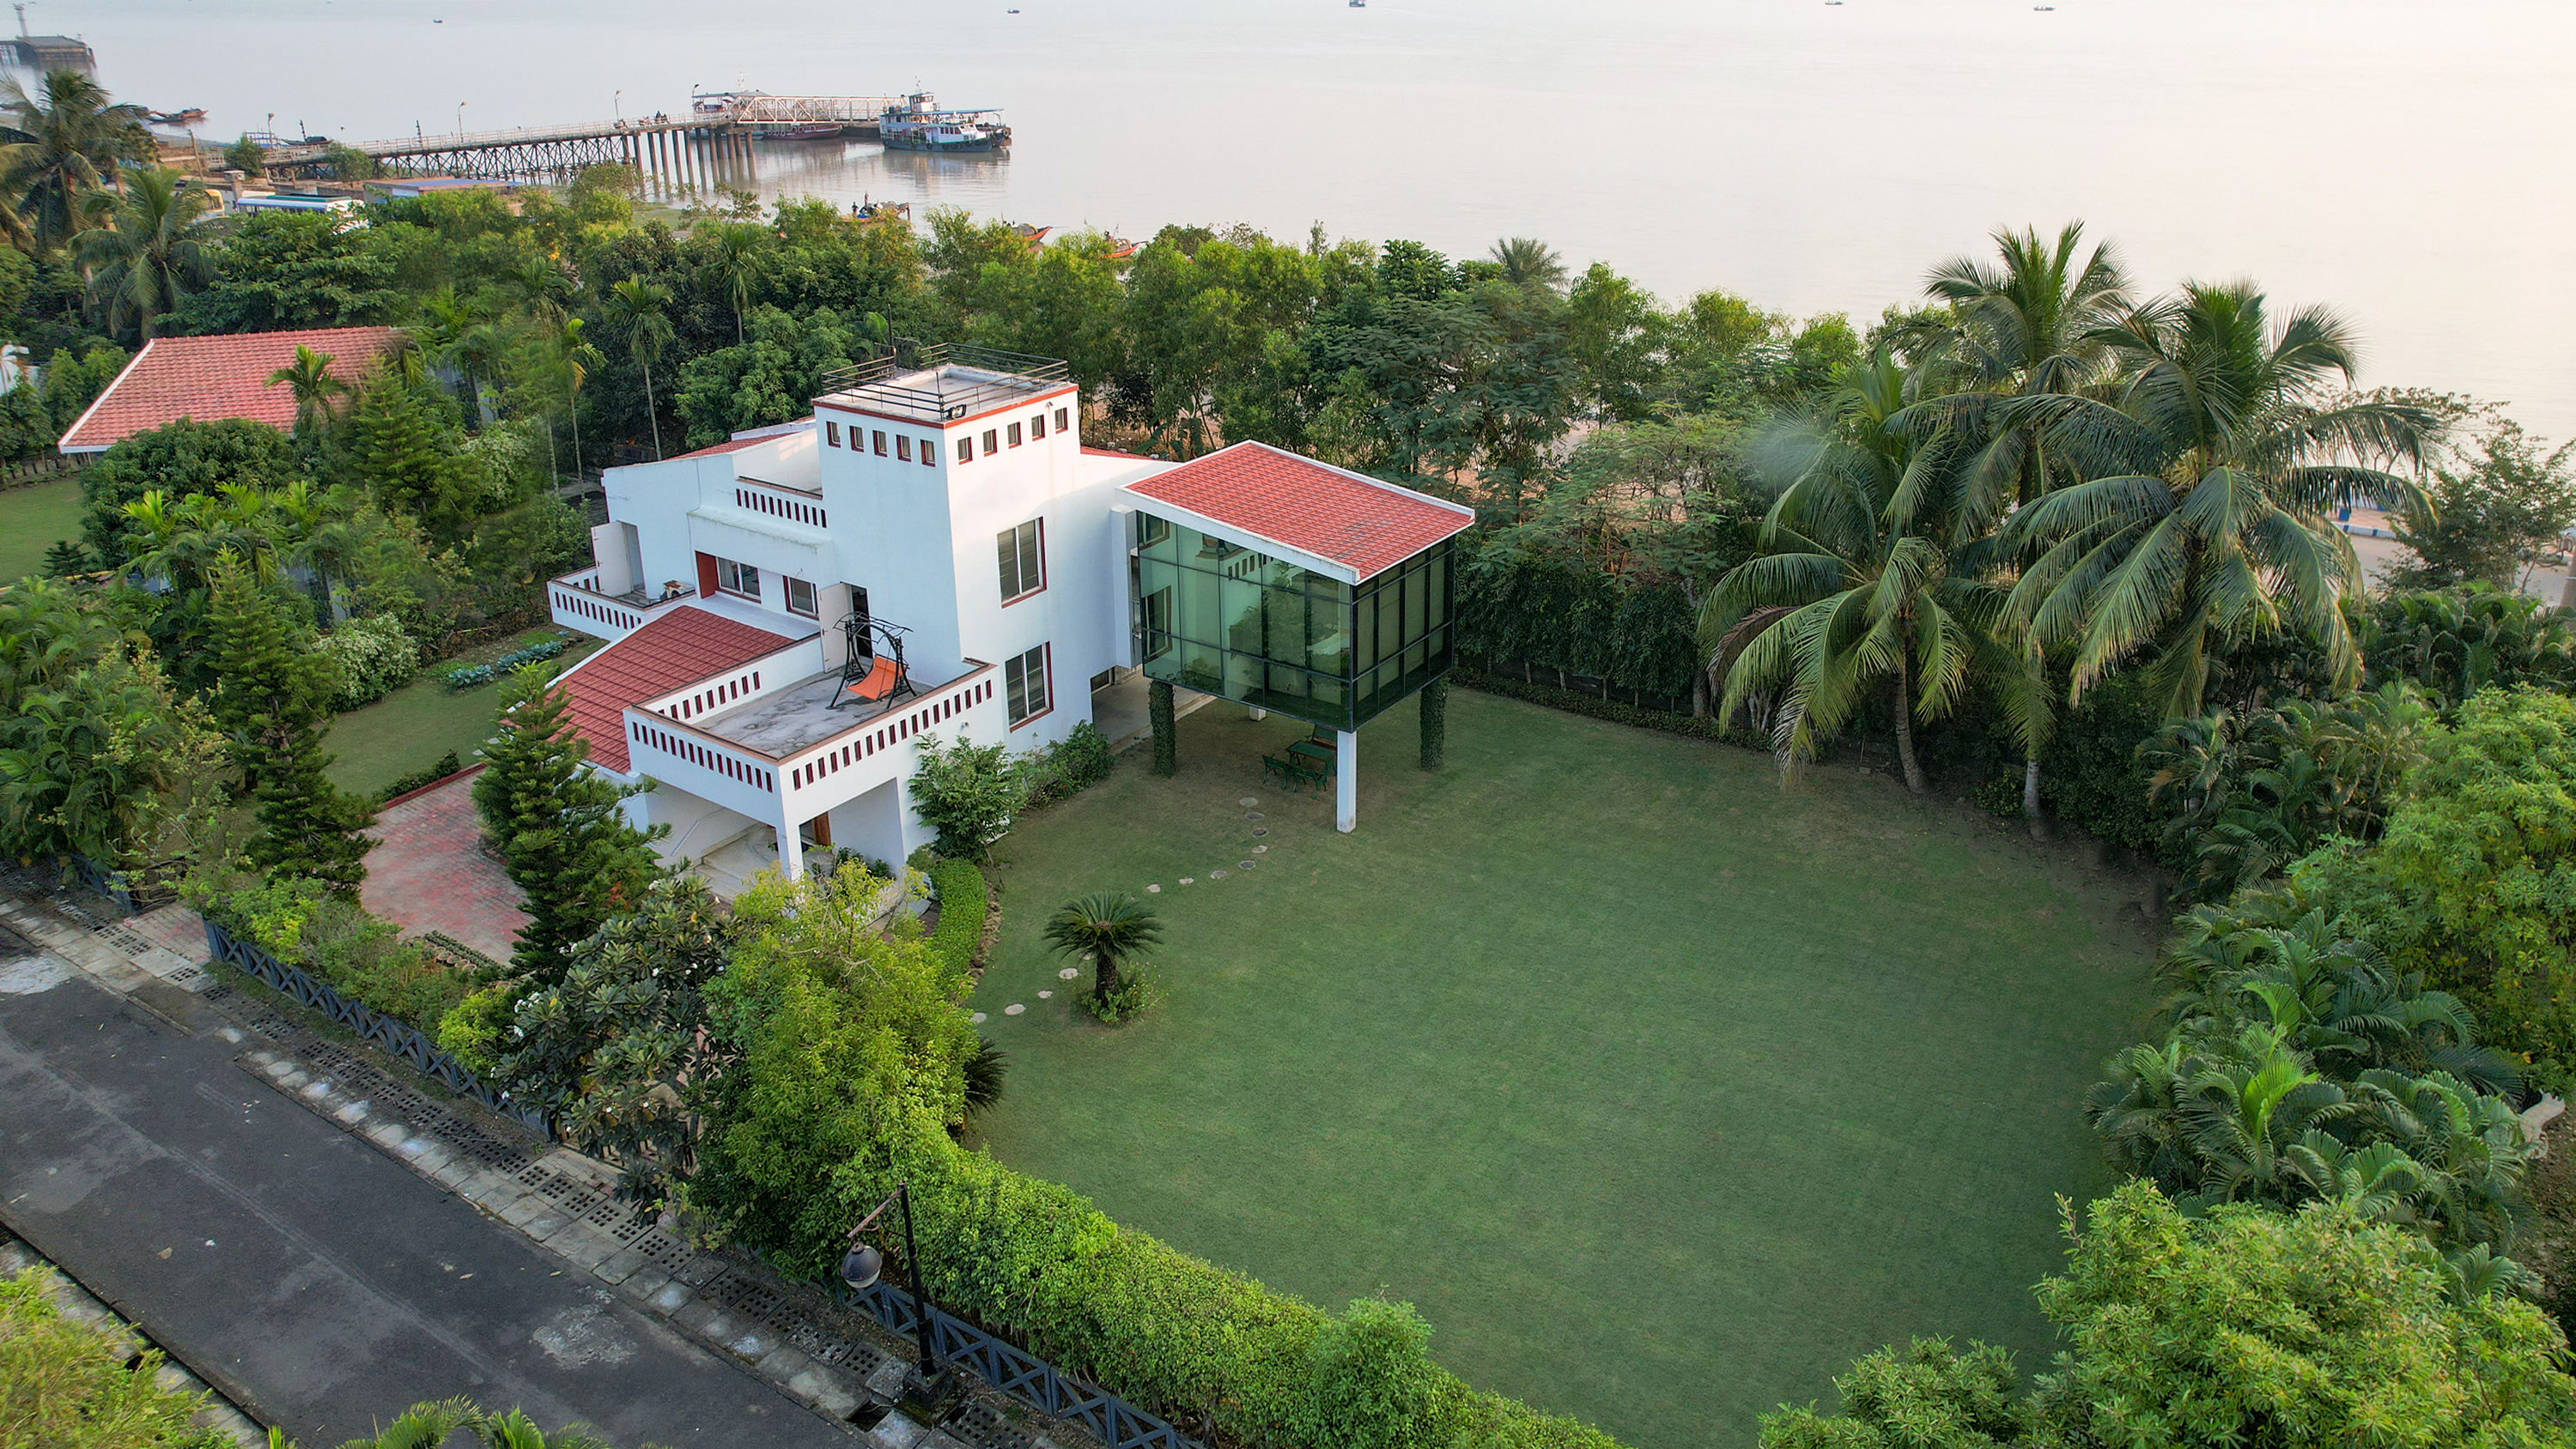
(681, 647)
(1346, 519)
(211, 378)
(797, 611)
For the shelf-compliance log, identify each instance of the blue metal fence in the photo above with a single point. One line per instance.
(109, 883)
(403, 1041)
(1021, 1374)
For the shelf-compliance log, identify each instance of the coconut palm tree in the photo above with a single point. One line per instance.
(2198, 523)
(1108, 928)
(309, 378)
(1528, 262)
(579, 357)
(60, 146)
(735, 266)
(147, 258)
(1853, 591)
(636, 305)
(2028, 324)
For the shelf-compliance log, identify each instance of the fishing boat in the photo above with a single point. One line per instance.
(1120, 249)
(821, 131)
(1035, 236)
(920, 125)
(189, 117)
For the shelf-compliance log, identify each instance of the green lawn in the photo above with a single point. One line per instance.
(33, 519)
(1663, 1092)
(410, 728)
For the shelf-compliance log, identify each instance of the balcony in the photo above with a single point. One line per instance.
(944, 383)
(576, 601)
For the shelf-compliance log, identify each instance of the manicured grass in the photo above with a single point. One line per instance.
(1662, 1091)
(410, 728)
(33, 519)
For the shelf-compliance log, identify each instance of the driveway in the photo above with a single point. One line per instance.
(316, 1282)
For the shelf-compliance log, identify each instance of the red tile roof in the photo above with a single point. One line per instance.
(1357, 522)
(682, 647)
(1090, 451)
(208, 378)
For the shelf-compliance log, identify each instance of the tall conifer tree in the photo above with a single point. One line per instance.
(564, 840)
(273, 705)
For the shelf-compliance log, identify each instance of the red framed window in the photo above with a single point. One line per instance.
(1015, 435)
(879, 435)
(831, 435)
(930, 452)
(1063, 419)
(903, 447)
(1037, 427)
(966, 450)
(992, 441)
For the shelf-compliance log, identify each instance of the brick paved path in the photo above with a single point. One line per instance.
(426, 873)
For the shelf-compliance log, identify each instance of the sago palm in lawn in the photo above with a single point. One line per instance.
(1108, 928)
(2200, 522)
(1853, 591)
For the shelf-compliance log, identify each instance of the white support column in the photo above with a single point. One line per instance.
(791, 851)
(1346, 781)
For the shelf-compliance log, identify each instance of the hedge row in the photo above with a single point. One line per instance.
(1575, 702)
(475, 675)
(1215, 1352)
(963, 897)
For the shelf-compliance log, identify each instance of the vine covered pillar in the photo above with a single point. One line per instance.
(1166, 741)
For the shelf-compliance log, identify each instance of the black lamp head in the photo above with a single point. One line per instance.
(861, 1267)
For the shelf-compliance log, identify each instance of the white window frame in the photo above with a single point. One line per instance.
(1026, 544)
(739, 571)
(1016, 673)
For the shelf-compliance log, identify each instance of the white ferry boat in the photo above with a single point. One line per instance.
(920, 125)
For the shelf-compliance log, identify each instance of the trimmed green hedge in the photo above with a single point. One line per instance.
(963, 894)
(1574, 702)
(1215, 1352)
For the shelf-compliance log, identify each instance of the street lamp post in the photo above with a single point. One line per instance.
(862, 1266)
(460, 123)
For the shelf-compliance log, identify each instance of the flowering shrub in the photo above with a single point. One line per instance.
(372, 657)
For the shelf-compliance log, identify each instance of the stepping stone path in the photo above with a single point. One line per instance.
(1189, 880)
(980, 1018)
(1068, 973)
(1246, 864)
(1043, 995)
(1216, 875)
(1253, 815)
(1015, 1008)
(1153, 890)
(1260, 830)
(1248, 802)
(1260, 849)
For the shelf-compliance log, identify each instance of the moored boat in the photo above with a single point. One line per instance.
(920, 125)
(821, 131)
(1033, 235)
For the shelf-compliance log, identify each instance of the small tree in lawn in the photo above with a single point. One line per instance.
(562, 836)
(968, 793)
(1108, 929)
(273, 705)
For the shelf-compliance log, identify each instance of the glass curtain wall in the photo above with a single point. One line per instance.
(1219, 618)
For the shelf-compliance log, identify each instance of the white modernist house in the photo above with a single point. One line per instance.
(793, 611)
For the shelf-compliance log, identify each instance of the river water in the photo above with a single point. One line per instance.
(2405, 161)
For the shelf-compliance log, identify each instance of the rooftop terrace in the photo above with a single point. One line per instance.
(943, 383)
(784, 721)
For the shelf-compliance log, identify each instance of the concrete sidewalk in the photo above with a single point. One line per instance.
(312, 1279)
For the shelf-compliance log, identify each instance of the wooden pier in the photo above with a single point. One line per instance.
(693, 151)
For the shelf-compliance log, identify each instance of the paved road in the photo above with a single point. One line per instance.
(318, 1283)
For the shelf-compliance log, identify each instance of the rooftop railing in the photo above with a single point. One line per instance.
(945, 382)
